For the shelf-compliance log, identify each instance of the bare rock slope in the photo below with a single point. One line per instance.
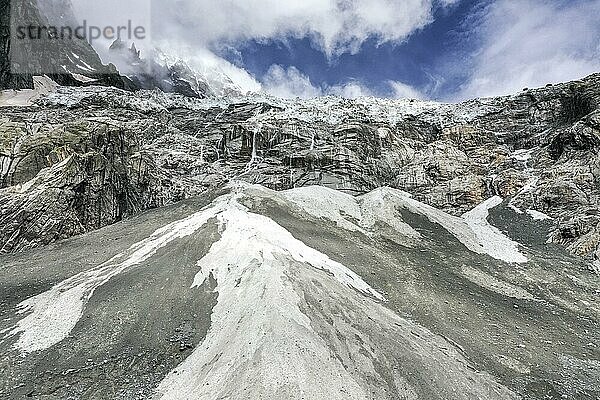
(309, 293)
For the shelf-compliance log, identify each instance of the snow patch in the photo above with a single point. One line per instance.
(523, 155)
(42, 86)
(258, 314)
(262, 234)
(85, 66)
(358, 214)
(515, 208)
(330, 204)
(538, 216)
(495, 243)
(379, 206)
(83, 78)
(472, 230)
(455, 225)
(53, 314)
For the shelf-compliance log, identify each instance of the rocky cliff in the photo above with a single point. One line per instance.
(8, 80)
(83, 158)
(69, 62)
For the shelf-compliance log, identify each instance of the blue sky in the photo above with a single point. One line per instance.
(416, 61)
(435, 49)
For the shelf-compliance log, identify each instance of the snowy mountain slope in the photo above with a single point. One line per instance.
(252, 293)
(192, 73)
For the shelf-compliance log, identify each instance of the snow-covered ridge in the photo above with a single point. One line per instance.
(52, 315)
(331, 110)
(360, 214)
(264, 239)
(261, 319)
(258, 313)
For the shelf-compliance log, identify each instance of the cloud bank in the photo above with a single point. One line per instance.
(196, 30)
(334, 26)
(292, 83)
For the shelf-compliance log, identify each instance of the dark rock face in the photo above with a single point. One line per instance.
(7, 79)
(114, 153)
(54, 58)
(83, 175)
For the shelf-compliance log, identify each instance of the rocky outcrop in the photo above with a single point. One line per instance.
(71, 178)
(538, 150)
(8, 80)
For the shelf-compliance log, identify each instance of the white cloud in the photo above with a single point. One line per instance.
(350, 90)
(334, 26)
(289, 83)
(447, 3)
(292, 83)
(404, 91)
(355, 89)
(529, 43)
(188, 28)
